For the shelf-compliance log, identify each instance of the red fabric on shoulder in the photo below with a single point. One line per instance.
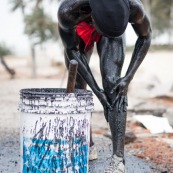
(88, 34)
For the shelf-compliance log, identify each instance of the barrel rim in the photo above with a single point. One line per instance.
(53, 91)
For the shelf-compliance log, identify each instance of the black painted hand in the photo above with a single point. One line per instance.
(121, 88)
(106, 105)
(103, 99)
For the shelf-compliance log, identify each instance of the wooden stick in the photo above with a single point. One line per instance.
(72, 76)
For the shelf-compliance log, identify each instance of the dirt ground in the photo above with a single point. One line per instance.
(154, 78)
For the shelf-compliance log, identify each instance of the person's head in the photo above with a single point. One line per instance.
(110, 17)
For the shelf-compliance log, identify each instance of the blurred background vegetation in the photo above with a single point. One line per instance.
(161, 17)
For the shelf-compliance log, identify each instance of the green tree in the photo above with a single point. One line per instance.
(161, 16)
(18, 4)
(4, 50)
(38, 26)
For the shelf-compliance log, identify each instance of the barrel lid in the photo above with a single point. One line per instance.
(55, 101)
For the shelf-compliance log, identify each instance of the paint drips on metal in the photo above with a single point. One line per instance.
(55, 130)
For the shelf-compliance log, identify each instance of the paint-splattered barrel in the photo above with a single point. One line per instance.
(55, 130)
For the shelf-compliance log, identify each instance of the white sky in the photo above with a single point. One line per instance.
(12, 28)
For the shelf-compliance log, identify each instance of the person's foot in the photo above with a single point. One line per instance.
(116, 165)
(92, 153)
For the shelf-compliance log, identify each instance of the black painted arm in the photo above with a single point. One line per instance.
(83, 68)
(67, 21)
(141, 25)
(70, 42)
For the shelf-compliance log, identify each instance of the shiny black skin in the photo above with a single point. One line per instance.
(111, 52)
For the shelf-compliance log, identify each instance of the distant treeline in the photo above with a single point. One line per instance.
(161, 16)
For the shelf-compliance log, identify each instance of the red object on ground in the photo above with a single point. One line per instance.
(88, 34)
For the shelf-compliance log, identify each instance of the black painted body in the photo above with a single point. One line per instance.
(111, 52)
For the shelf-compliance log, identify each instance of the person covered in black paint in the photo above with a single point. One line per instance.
(83, 22)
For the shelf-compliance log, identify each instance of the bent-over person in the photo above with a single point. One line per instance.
(85, 22)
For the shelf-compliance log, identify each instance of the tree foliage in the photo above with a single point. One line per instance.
(161, 15)
(40, 27)
(4, 50)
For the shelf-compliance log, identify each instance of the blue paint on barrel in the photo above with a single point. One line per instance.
(51, 156)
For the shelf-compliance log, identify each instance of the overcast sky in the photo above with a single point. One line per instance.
(11, 28)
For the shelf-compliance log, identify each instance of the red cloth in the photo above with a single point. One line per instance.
(88, 34)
